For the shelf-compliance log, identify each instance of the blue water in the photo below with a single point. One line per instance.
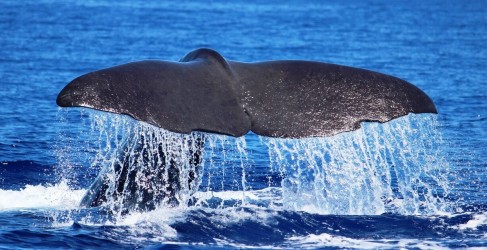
(416, 182)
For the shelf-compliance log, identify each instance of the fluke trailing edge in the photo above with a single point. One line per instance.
(206, 92)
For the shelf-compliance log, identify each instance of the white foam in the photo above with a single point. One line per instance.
(328, 240)
(475, 222)
(59, 196)
(152, 226)
(227, 243)
(159, 216)
(226, 195)
(156, 223)
(235, 215)
(162, 217)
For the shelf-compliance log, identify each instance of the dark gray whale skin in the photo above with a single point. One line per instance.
(206, 92)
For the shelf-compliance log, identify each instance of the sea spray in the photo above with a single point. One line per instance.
(393, 167)
(59, 196)
(75, 147)
(143, 166)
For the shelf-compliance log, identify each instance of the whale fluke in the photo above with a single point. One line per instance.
(206, 92)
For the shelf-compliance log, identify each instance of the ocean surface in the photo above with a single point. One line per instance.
(419, 181)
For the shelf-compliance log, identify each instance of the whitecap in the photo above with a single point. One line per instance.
(59, 196)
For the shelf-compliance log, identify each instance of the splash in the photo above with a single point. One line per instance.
(478, 220)
(59, 196)
(395, 167)
(143, 166)
(392, 167)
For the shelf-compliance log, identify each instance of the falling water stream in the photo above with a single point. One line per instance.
(395, 167)
(392, 167)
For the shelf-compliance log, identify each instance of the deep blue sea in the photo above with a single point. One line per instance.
(419, 181)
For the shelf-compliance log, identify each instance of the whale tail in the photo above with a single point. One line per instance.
(205, 92)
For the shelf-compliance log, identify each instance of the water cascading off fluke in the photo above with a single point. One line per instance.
(392, 167)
